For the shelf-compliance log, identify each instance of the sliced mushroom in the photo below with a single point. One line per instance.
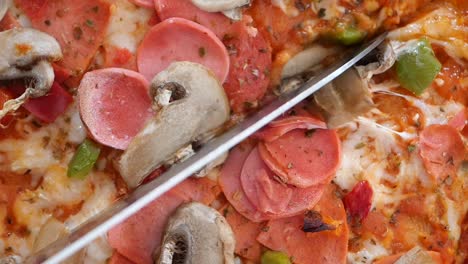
(416, 255)
(199, 106)
(233, 14)
(26, 54)
(344, 99)
(11, 260)
(22, 47)
(197, 234)
(212, 165)
(303, 66)
(3, 8)
(52, 230)
(306, 59)
(219, 5)
(378, 61)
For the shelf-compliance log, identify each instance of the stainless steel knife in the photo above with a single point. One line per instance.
(65, 247)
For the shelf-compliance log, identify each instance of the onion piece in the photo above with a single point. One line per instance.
(416, 255)
(52, 230)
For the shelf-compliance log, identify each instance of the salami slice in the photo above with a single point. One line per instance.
(114, 104)
(178, 39)
(442, 150)
(308, 158)
(286, 234)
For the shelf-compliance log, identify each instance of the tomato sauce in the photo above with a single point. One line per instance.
(449, 80)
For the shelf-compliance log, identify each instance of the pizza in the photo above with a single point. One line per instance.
(102, 96)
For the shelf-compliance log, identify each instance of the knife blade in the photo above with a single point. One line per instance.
(98, 225)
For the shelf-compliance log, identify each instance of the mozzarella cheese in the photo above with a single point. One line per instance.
(441, 26)
(128, 25)
(372, 251)
(45, 152)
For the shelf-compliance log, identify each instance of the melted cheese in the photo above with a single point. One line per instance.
(442, 26)
(128, 25)
(365, 157)
(372, 251)
(45, 153)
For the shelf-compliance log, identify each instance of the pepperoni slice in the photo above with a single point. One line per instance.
(272, 163)
(78, 26)
(140, 235)
(266, 193)
(460, 120)
(178, 39)
(442, 150)
(308, 158)
(144, 3)
(245, 232)
(119, 259)
(271, 197)
(230, 183)
(286, 234)
(217, 22)
(283, 125)
(114, 104)
(251, 58)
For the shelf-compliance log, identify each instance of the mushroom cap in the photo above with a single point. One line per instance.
(3, 9)
(196, 234)
(41, 74)
(219, 5)
(306, 59)
(22, 47)
(26, 54)
(202, 110)
(342, 100)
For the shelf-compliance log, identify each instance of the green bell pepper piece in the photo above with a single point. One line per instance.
(417, 67)
(275, 257)
(84, 159)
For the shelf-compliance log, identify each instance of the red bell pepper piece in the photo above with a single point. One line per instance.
(47, 108)
(358, 202)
